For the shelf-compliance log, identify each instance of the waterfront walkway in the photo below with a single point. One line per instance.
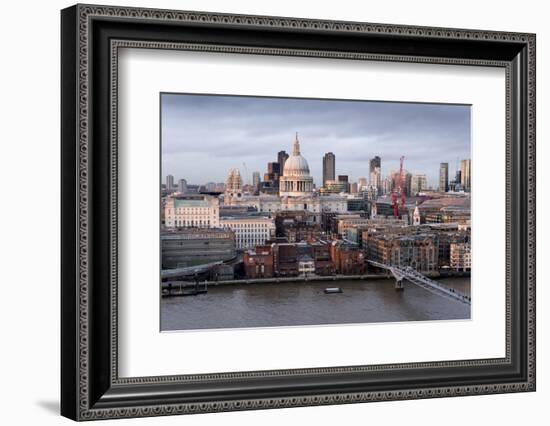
(398, 273)
(309, 278)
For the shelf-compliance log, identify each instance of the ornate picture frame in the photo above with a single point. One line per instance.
(91, 37)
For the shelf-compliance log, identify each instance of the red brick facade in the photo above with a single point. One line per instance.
(258, 263)
(348, 259)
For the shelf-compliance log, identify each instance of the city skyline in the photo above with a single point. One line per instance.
(252, 130)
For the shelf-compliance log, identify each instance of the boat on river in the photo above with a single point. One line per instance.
(333, 290)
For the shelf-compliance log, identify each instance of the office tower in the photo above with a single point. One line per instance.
(329, 167)
(344, 179)
(374, 163)
(182, 186)
(419, 183)
(270, 184)
(455, 185)
(256, 182)
(406, 185)
(465, 171)
(375, 178)
(169, 182)
(273, 174)
(361, 184)
(282, 156)
(387, 184)
(443, 177)
(274, 168)
(375, 173)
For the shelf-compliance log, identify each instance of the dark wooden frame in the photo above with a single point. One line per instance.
(90, 386)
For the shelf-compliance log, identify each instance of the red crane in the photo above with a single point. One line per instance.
(398, 189)
(401, 182)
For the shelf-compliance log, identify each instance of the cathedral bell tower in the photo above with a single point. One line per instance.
(416, 215)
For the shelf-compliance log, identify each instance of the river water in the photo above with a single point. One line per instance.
(288, 304)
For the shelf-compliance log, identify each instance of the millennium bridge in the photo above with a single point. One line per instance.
(411, 275)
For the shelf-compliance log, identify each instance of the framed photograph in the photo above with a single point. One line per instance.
(263, 212)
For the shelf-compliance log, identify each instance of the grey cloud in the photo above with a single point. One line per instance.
(203, 136)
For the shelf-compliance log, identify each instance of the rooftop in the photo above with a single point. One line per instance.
(184, 233)
(247, 217)
(192, 200)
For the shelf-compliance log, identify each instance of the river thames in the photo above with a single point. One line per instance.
(305, 303)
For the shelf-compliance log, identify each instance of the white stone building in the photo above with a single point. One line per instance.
(296, 192)
(461, 257)
(200, 211)
(250, 231)
(306, 265)
(416, 215)
(313, 203)
(296, 180)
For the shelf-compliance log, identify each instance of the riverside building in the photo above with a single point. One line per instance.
(461, 257)
(197, 210)
(250, 231)
(196, 246)
(417, 251)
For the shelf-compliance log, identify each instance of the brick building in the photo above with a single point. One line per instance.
(321, 255)
(259, 262)
(286, 258)
(348, 258)
(445, 240)
(417, 251)
(297, 226)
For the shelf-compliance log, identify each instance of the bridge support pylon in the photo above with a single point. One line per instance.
(399, 285)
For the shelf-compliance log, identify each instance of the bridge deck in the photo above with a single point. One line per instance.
(422, 281)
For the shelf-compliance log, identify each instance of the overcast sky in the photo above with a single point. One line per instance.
(203, 136)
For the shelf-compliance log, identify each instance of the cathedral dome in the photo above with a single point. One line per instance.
(296, 165)
(295, 181)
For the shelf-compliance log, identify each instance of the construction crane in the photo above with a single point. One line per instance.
(398, 189)
(401, 160)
